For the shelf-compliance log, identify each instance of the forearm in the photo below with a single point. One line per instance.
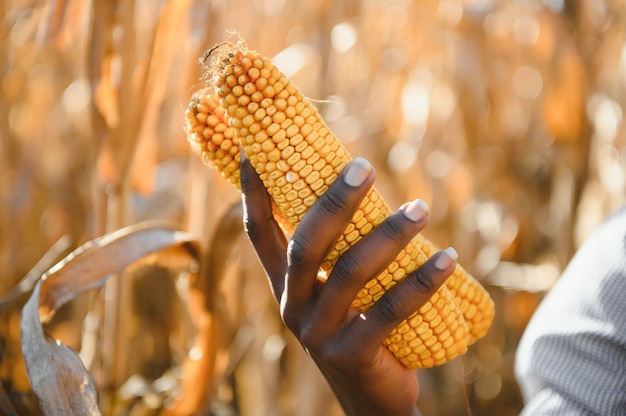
(360, 397)
(364, 410)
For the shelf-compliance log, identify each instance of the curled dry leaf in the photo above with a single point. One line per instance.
(6, 407)
(27, 284)
(205, 309)
(56, 373)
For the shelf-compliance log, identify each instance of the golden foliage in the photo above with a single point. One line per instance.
(505, 116)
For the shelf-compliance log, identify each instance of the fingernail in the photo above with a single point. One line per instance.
(415, 210)
(446, 258)
(357, 172)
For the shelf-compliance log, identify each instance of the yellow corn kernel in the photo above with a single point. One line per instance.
(209, 135)
(285, 136)
(217, 144)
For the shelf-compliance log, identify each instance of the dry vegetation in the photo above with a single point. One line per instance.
(504, 115)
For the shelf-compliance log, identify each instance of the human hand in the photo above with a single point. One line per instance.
(345, 344)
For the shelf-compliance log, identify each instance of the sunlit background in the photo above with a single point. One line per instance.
(505, 116)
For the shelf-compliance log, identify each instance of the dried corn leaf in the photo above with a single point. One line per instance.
(6, 407)
(57, 375)
(206, 311)
(28, 282)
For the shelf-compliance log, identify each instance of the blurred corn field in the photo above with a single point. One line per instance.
(505, 116)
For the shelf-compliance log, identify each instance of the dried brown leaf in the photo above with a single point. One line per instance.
(89, 266)
(169, 35)
(198, 373)
(6, 407)
(57, 375)
(106, 95)
(28, 282)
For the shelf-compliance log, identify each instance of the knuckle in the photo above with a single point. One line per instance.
(246, 182)
(389, 309)
(347, 268)
(298, 255)
(332, 203)
(252, 228)
(290, 318)
(393, 228)
(256, 227)
(421, 281)
(246, 177)
(318, 344)
(310, 339)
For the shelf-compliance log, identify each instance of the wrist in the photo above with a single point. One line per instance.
(373, 412)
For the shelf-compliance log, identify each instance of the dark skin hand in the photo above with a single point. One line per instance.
(345, 344)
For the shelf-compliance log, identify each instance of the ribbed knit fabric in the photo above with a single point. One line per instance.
(572, 357)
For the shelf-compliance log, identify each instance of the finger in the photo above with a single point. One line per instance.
(369, 257)
(404, 298)
(262, 229)
(321, 227)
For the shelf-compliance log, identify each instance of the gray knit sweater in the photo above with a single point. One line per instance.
(572, 357)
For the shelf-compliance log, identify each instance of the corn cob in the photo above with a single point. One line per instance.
(298, 157)
(217, 144)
